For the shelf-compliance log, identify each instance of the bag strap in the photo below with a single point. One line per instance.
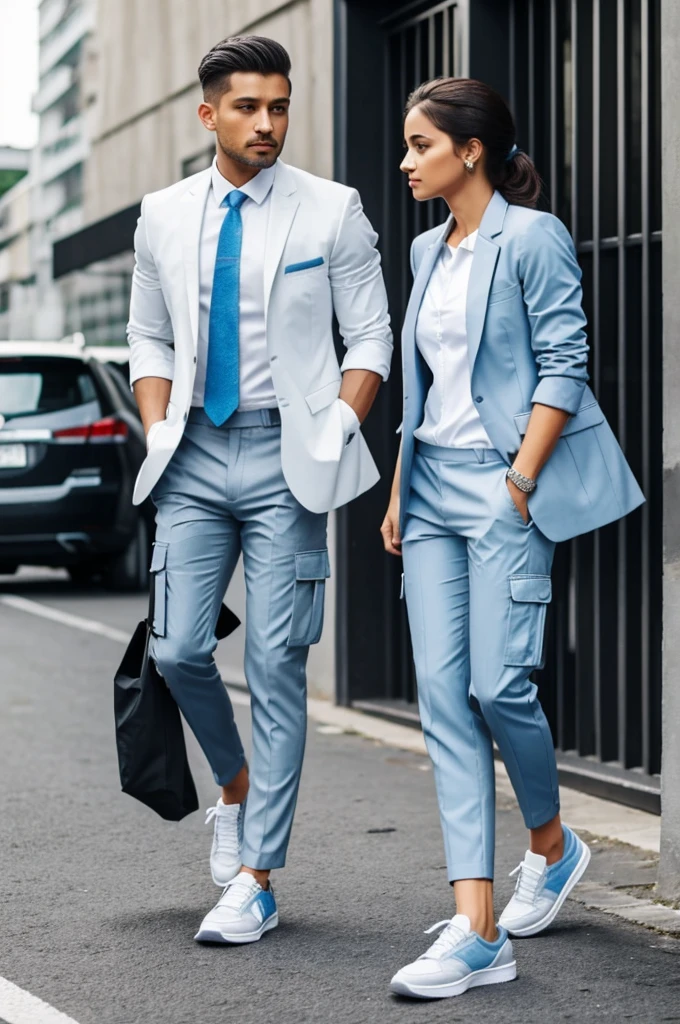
(152, 602)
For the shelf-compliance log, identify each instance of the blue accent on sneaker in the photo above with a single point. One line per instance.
(477, 953)
(558, 874)
(267, 903)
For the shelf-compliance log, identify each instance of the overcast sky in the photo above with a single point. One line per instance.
(18, 71)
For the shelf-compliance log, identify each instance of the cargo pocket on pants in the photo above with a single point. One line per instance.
(312, 569)
(526, 624)
(159, 584)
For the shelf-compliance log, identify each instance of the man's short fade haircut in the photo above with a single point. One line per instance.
(248, 54)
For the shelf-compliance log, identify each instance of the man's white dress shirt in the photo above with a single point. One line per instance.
(451, 418)
(256, 389)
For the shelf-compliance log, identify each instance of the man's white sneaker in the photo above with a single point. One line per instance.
(244, 913)
(458, 960)
(541, 889)
(225, 856)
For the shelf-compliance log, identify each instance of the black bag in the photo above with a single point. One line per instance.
(152, 755)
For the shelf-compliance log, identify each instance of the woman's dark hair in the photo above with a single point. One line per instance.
(241, 53)
(467, 109)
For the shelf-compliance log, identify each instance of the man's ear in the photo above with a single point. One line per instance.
(206, 113)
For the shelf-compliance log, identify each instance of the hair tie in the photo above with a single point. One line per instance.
(512, 154)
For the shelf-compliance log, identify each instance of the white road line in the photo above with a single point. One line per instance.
(19, 1007)
(44, 611)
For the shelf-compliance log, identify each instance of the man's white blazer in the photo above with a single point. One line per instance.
(314, 222)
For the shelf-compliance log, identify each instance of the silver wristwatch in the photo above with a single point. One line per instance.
(525, 483)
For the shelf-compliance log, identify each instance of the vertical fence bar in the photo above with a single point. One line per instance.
(574, 120)
(432, 47)
(446, 42)
(532, 81)
(596, 710)
(566, 623)
(555, 68)
(403, 198)
(646, 386)
(387, 248)
(622, 534)
(512, 58)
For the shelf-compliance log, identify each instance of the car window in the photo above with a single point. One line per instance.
(119, 380)
(36, 388)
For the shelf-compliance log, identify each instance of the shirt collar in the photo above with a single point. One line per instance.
(468, 243)
(257, 189)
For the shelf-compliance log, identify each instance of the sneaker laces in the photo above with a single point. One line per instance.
(451, 936)
(237, 892)
(529, 882)
(226, 835)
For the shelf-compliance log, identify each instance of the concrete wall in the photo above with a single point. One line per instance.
(143, 125)
(669, 868)
(142, 77)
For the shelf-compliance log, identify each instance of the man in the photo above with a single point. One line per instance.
(253, 434)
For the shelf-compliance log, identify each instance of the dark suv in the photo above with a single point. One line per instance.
(71, 444)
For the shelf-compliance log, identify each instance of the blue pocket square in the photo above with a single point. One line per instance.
(294, 267)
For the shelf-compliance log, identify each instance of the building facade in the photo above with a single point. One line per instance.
(14, 165)
(59, 158)
(583, 79)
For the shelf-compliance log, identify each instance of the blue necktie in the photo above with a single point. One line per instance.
(222, 372)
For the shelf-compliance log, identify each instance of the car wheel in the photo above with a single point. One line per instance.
(130, 569)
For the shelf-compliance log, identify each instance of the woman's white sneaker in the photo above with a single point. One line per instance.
(541, 889)
(225, 856)
(244, 913)
(458, 960)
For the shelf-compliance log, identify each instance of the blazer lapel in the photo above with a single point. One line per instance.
(193, 208)
(284, 205)
(423, 275)
(481, 274)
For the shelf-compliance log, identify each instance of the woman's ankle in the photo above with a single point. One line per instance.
(548, 841)
(486, 929)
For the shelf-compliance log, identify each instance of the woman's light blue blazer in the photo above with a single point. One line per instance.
(527, 343)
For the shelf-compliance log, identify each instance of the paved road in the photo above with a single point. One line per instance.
(99, 899)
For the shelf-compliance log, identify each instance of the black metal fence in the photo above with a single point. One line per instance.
(582, 77)
(585, 92)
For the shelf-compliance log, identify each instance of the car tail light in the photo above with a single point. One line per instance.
(107, 431)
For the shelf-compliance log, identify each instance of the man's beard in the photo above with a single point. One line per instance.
(261, 161)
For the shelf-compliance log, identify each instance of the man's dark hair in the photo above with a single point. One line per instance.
(241, 53)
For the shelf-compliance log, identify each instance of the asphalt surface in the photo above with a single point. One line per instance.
(99, 899)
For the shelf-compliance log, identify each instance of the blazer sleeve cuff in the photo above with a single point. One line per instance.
(151, 359)
(560, 392)
(372, 355)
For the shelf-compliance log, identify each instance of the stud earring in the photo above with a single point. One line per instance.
(469, 166)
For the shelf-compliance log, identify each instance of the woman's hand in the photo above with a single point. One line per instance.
(390, 528)
(520, 498)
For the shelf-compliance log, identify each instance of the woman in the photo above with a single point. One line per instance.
(504, 452)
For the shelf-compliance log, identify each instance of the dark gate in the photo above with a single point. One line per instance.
(582, 77)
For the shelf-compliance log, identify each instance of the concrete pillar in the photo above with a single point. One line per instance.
(669, 868)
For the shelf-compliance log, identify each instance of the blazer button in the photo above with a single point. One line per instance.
(479, 399)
